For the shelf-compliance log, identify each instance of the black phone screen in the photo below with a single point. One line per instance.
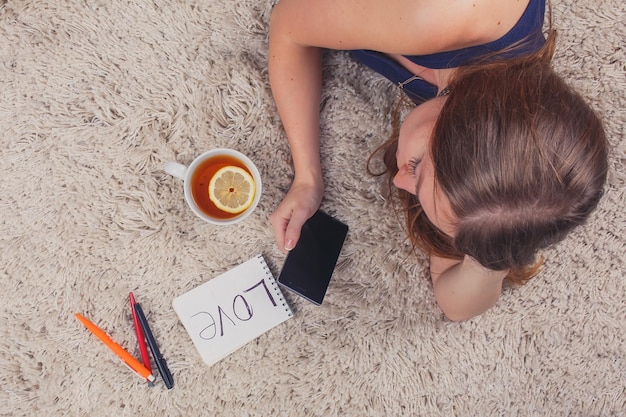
(309, 266)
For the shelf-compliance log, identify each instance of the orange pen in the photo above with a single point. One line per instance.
(126, 357)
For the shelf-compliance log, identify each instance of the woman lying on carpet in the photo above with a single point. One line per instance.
(498, 160)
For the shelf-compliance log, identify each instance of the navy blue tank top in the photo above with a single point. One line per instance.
(527, 31)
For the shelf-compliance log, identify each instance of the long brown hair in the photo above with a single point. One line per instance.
(521, 157)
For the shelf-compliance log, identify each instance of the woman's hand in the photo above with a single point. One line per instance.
(300, 203)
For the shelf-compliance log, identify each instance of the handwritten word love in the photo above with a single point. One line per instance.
(241, 309)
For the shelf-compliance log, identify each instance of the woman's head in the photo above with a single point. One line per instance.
(515, 160)
(522, 159)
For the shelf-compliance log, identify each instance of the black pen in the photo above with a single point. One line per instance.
(156, 353)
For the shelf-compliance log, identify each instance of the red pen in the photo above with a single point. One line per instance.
(140, 337)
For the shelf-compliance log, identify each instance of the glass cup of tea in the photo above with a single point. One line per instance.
(222, 186)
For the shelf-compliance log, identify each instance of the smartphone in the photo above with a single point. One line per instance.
(309, 266)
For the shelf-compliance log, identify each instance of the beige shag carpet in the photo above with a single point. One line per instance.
(96, 96)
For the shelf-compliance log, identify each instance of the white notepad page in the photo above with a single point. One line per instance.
(230, 310)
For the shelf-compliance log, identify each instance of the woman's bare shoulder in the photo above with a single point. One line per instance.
(409, 27)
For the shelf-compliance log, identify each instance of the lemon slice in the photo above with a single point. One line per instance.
(232, 189)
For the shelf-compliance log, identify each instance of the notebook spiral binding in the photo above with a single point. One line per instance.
(277, 292)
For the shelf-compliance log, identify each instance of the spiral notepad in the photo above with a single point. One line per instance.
(230, 310)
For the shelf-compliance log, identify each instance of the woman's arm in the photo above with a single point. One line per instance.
(295, 77)
(464, 289)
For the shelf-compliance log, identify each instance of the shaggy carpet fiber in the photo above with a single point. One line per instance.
(98, 95)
